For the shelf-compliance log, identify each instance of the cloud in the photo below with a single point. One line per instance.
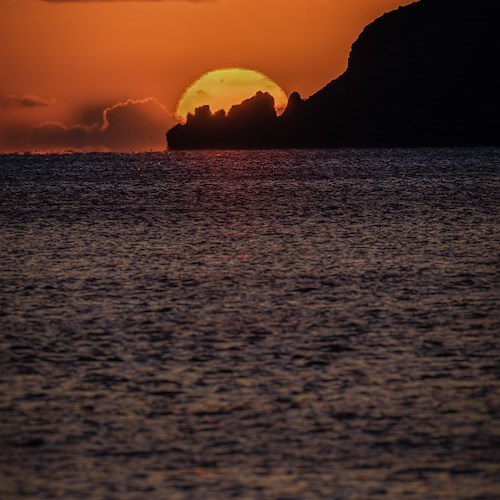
(24, 101)
(125, 126)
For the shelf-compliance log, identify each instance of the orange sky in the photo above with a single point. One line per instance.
(73, 62)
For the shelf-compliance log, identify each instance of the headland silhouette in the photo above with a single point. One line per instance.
(422, 75)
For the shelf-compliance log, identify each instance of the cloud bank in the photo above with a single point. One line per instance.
(133, 125)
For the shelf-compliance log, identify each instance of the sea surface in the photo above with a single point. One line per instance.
(250, 324)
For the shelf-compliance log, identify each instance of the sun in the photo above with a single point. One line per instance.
(223, 88)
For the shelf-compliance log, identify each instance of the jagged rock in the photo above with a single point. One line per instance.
(250, 124)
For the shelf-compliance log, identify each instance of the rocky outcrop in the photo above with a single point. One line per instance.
(422, 75)
(251, 124)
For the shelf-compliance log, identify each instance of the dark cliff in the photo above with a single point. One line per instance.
(425, 74)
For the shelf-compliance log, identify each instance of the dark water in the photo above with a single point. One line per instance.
(250, 324)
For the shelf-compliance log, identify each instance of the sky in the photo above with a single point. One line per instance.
(107, 75)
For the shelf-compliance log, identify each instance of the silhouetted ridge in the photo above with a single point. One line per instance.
(424, 74)
(250, 124)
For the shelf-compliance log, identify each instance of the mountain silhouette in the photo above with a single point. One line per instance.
(422, 75)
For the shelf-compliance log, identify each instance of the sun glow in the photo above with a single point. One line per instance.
(223, 88)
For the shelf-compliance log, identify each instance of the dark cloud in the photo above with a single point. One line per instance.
(23, 101)
(129, 125)
(91, 113)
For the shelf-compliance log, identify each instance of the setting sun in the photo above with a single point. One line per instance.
(223, 88)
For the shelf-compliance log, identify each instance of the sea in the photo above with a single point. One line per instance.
(250, 324)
